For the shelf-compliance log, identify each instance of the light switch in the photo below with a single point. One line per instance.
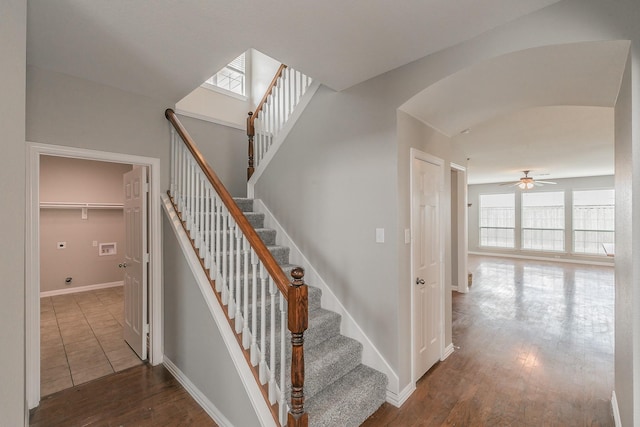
(407, 236)
(379, 235)
(94, 244)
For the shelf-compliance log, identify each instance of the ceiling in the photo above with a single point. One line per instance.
(524, 110)
(165, 48)
(547, 109)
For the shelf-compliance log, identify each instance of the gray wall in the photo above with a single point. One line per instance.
(225, 149)
(192, 340)
(13, 39)
(567, 185)
(81, 181)
(336, 177)
(65, 110)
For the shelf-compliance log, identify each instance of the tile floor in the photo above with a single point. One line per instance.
(81, 338)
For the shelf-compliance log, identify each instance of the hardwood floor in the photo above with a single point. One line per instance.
(534, 347)
(140, 396)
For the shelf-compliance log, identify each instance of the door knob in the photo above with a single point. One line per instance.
(419, 281)
(122, 265)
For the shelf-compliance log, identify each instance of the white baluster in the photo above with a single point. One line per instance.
(272, 343)
(254, 308)
(197, 207)
(218, 234)
(207, 227)
(263, 324)
(172, 186)
(225, 255)
(246, 339)
(239, 319)
(282, 401)
(232, 265)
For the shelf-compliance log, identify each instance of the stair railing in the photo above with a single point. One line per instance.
(284, 93)
(239, 267)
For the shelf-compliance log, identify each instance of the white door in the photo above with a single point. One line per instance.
(426, 249)
(135, 260)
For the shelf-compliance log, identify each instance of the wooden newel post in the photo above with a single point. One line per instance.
(250, 134)
(298, 323)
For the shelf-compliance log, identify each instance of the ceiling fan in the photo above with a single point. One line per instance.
(527, 182)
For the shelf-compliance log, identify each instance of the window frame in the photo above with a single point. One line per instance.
(245, 75)
(562, 230)
(573, 221)
(512, 229)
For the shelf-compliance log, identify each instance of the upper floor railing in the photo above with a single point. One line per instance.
(263, 126)
(259, 300)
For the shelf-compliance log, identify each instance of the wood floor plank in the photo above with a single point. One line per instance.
(534, 347)
(139, 396)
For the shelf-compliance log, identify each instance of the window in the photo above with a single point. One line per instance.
(497, 220)
(231, 77)
(543, 221)
(593, 221)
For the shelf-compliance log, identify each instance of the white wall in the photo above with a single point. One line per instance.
(221, 108)
(192, 340)
(567, 185)
(13, 39)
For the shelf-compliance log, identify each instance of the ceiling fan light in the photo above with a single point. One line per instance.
(522, 185)
(529, 185)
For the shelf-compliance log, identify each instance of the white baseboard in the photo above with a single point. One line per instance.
(80, 289)
(542, 258)
(348, 327)
(448, 351)
(237, 356)
(616, 410)
(398, 399)
(197, 395)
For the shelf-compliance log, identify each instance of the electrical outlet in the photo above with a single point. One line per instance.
(94, 244)
(62, 245)
(379, 235)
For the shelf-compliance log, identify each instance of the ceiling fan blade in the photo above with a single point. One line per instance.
(546, 182)
(510, 184)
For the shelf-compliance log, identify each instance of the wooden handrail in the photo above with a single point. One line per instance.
(268, 92)
(269, 262)
(254, 115)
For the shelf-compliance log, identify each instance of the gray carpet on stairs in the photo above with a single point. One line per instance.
(339, 389)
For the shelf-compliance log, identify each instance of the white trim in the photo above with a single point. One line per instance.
(463, 227)
(77, 289)
(237, 356)
(209, 119)
(348, 327)
(398, 399)
(448, 351)
(197, 395)
(615, 409)
(537, 258)
(32, 268)
(282, 135)
(420, 155)
(226, 92)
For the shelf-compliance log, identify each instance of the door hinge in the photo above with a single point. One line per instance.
(146, 328)
(147, 258)
(146, 187)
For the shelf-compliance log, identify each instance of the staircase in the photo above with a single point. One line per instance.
(339, 389)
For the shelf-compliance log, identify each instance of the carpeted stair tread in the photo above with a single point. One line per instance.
(245, 205)
(349, 401)
(256, 219)
(327, 362)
